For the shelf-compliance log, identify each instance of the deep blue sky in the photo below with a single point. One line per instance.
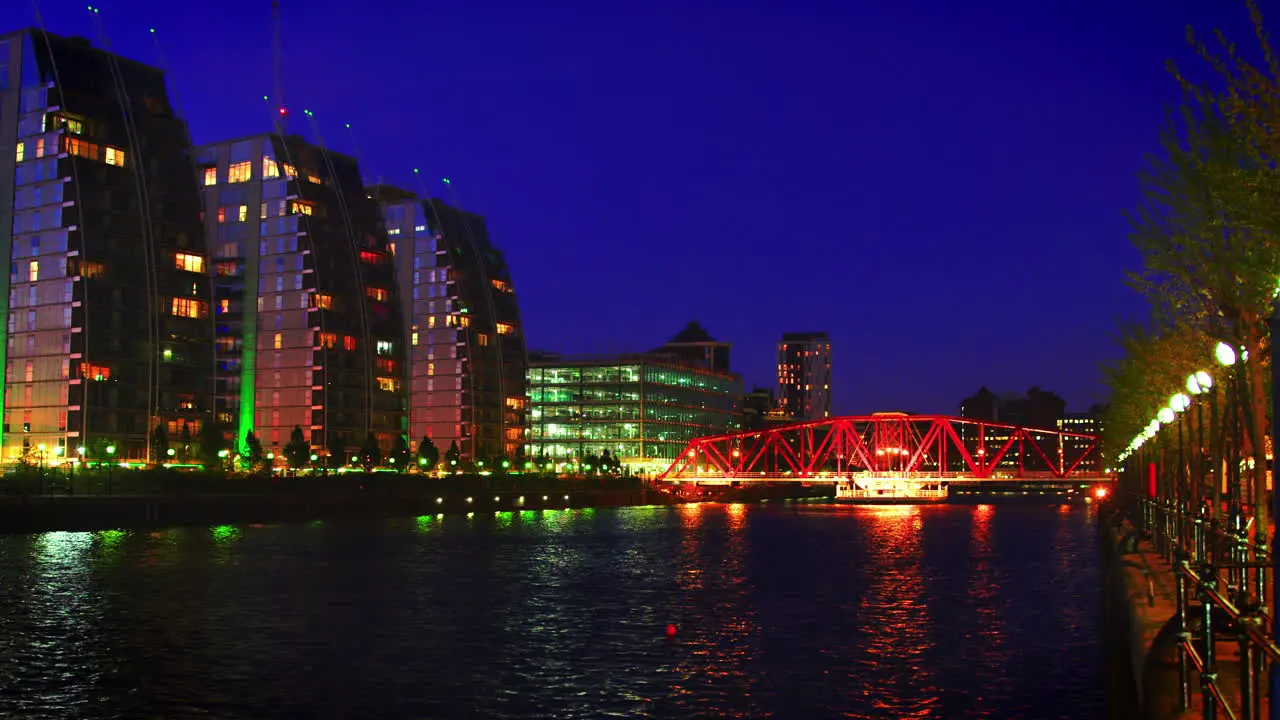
(939, 185)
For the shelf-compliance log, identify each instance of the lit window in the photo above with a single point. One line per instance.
(96, 373)
(269, 167)
(21, 152)
(431, 369)
(505, 328)
(82, 148)
(328, 340)
(386, 365)
(482, 339)
(240, 172)
(348, 342)
(384, 347)
(244, 213)
(222, 215)
(33, 271)
(322, 301)
(278, 341)
(113, 156)
(370, 257)
(314, 179)
(289, 171)
(39, 147)
(388, 384)
(190, 263)
(501, 285)
(413, 338)
(91, 269)
(211, 176)
(302, 208)
(377, 294)
(431, 321)
(75, 127)
(224, 306)
(187, 307)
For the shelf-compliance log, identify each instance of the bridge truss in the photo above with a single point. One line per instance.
(890, 444)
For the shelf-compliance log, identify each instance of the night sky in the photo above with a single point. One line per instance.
(939, 185)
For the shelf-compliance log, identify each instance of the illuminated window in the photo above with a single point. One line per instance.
(302, 208)
(388, 384)
(21, 152)
(322, 301)
(190, 263)
(277, 341)
(384, 347)
(391, 248)
(113, 156)
(39, 147)
(500, 285)
(243, 213)
(240, 172)
(370, 257)
(314, 179)
(270, 169)
(289, 171)
(33, 270)
(73, 126)
(187, 307)
(377, 293)
(515, 403)
(431, 321)
(386, 365)
(97, 373)
(91, 269)
(413, 338)
(81, 148)
(482, 339)
(464, 321)
(328, 340)
(224, 306)
(505, 328)
(431, 369)
(348, 342)
(222, 215)
(211, 176)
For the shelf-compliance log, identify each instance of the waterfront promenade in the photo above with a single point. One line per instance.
(1141, 565)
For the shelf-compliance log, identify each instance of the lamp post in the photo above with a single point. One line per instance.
(1199, 383)
(1179, 404)
(1226, 357)
(111, 460)
(1273, 327)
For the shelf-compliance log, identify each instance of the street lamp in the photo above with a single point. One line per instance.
(1200, 383)
(111, 457)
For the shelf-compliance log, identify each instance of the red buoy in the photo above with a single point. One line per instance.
(671, 631)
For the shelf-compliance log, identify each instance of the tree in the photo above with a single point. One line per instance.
(212, 442)
(337, 447)
(297, 452)
(1208, 225)
(160, 444)
(399, 455)
(428, 454)
(184, 441)
(453, 457)
(252, 457)
(370, 453)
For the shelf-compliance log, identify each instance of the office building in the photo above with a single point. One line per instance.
(466, 351)
(106, 290)
(804, 375)
(1036, 409)
(309, 330)
(642, 409)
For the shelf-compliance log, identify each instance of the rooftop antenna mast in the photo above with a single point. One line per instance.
(277, 58)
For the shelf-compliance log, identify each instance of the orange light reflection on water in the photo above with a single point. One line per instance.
(713, 585)
(902, 633)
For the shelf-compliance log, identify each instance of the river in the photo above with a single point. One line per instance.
(780, 610)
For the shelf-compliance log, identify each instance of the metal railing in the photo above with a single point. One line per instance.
(1216, 564)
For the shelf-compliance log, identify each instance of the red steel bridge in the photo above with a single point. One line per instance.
(913, 453)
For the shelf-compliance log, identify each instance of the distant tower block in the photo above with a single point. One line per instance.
(804, 375)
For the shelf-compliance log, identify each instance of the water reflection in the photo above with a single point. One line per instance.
(800, 611)
(900, 635)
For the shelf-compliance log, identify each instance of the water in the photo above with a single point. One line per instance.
(801, 611)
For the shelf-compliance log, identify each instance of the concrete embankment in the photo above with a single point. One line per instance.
(40, 514)
(1140, 609)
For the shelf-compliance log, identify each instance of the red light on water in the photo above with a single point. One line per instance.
(283, 111)
(1101, 493)
(671, 631)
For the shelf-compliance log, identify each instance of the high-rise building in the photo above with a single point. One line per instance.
(466, 350)
(309, 332)
(804, 375)
(1035, 410)
(105, 294)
